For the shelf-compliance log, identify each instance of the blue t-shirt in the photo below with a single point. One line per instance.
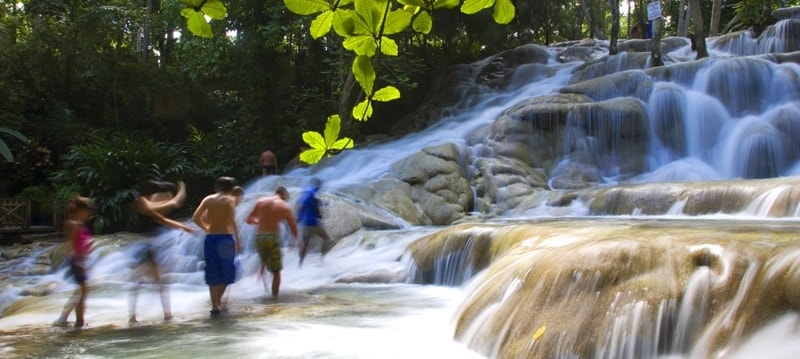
(309, 214)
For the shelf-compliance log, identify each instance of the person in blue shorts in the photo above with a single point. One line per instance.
(216, 216)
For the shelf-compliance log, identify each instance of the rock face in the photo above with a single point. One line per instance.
(438, 184)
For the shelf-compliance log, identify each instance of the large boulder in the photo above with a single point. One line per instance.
(438, 183)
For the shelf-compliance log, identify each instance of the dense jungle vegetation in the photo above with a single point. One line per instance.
(97, 95)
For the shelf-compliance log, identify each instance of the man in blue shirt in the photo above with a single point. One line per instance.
(310, 219)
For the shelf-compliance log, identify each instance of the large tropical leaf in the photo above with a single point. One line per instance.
(5, 152)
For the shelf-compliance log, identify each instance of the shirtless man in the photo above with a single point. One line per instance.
(216, 216)
(267, 214)
(269, 163)
(155, 202)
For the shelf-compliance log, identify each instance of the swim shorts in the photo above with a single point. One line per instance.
(77, 269)
(220, 251)
(268, 246)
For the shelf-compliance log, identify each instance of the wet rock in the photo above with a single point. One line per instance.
(392, 195)
(615, 82)
(40, 290)
(384, 276)
(786, 13)
(438, 184)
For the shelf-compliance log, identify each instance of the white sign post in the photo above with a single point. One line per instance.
(654, 10)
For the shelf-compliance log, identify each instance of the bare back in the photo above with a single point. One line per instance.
(269, 212)
(216, 214)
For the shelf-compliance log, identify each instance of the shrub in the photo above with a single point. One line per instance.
(108, 169)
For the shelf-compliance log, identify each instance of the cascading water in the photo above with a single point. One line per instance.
(699, 264)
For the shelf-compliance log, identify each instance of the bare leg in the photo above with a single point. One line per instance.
(80, 307)
(132, 303)
(304, 244)
(163, 290)
(216, 293)
(72, 301)
(326, 240)
(276, 283)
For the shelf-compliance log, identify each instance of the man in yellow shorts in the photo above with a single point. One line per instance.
(267, 214)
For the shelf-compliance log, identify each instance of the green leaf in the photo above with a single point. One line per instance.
(214, 9)
(16, 134)
(343, 23)
(197, 23)
(445, 4)
(5, 152)
(363, 111)
(312, 155)
(321, 25)
(327, 145)
(470, 7)
(397, 21)
(389, 47)
(364, 73)
(332, 127)
(418, 3)
(307, 7)
(362, 45)
(504, 11)
(317, 150)
(371, 14)
(343, 143)
(423, 23)
(386, 94)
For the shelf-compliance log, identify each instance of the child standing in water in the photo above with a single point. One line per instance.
(79, 241)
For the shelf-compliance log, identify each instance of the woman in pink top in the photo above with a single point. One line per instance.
(79, 238)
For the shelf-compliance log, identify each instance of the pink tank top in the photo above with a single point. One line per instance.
(83, 243)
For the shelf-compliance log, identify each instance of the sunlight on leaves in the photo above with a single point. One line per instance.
(504, 11)
(307, 7)
(474, 6)
(327, 145)
(196, 13)
(364, 73)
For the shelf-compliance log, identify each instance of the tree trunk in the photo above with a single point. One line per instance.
(614, 4)
(699, 28)
(716, 13)
(655, 45)
(587, 6)
(683, 21)
(146, 30)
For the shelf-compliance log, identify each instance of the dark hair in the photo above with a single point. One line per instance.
(77, 203)
(281, 191)
(224, 184)
(238, 191)
(149, 187)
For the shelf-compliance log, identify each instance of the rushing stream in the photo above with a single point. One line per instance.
(682, 246)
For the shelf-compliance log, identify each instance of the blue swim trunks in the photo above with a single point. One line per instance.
(220, 251)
